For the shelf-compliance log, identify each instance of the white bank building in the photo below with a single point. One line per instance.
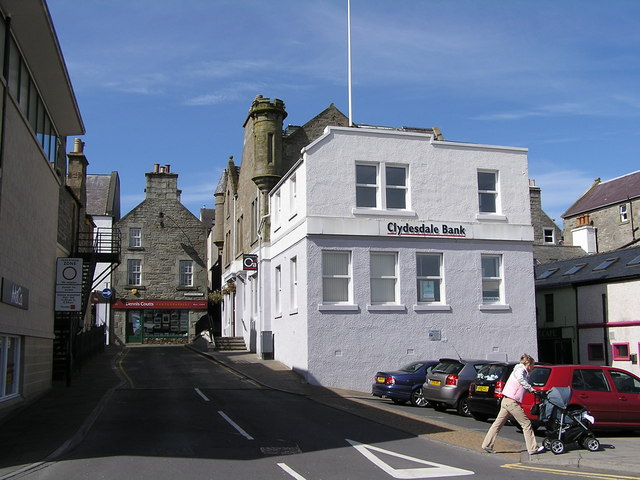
(389, 246)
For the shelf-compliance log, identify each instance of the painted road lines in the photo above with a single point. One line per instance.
(568, 473)
(235, 425)
(290, 471)
(204, 397)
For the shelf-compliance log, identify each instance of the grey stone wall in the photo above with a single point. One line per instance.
(611, 232)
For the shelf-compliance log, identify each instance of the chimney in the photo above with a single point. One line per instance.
(162, 184)
(77, 174)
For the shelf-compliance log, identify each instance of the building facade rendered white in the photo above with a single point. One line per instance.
(388, 246)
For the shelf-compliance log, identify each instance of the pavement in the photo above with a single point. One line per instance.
(56, 422)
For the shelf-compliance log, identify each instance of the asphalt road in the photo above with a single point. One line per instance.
(182, 416)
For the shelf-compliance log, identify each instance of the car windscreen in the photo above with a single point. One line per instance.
(448, 367)
(412, 367)
(490, 373)
(539, 376)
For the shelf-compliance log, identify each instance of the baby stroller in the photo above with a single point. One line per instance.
(565, 426)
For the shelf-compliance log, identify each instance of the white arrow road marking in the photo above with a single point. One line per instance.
(235, 425)
(290, 471)
(434, 470)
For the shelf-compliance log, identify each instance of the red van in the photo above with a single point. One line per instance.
(612, 395)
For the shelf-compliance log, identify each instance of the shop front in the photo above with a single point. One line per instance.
(158, 321)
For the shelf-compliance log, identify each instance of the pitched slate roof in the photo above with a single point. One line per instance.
(603, 194)
(102, 195)
(602, 268)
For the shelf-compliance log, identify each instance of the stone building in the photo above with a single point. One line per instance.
(379, 246)
(242, 204)
(606, 217)
(161, 285)
(39, 213)
(548, 243)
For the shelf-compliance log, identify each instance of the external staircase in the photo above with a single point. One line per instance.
(229, 344)
(102, 245)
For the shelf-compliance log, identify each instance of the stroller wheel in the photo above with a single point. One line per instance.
(591, 443)
(546, 443)
(557, 447)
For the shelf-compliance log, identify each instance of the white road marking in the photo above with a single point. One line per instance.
(204, 397)
(235, 425)
(434, 470)
(291, 472)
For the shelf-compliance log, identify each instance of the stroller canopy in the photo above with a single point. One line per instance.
(556, 397)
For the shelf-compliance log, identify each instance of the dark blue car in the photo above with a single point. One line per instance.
(404, 385)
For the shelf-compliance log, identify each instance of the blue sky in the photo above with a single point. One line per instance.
(171, 82)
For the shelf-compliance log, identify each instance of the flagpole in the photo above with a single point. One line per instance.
(349, 59)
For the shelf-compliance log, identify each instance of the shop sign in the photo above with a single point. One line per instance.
(250, 262)
(14, 294)
(426, 230)
(162, 304)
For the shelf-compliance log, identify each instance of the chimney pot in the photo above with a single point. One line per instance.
(167, 168)
(78, 146)
(156, 167)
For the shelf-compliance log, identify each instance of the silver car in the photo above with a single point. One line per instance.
(447, 385)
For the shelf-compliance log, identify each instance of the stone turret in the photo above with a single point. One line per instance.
(265, 120)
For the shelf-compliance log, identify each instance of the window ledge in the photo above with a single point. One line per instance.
(494, 307)
(386, 308)
(136, 287)
(386, 213)
(135, 249)
(328, 307)
(423, 307)
(490, 217)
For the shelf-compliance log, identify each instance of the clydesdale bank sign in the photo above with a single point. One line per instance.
(426, 230)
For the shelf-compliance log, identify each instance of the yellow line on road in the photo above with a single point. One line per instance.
(121, 369)
(555, 471)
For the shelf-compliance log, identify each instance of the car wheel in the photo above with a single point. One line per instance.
(463, 407)
(397, 401)
(557, 447)
(590, 443)
(481, 417)
(439, 407)
(417, 399)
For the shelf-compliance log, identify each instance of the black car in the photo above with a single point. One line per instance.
(403, 385)
(485, 392)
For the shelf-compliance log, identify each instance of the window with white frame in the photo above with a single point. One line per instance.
(549, 235)
(239, 234)
(336, 277)
(9, 366)
(491, 279)
(278, 290)
(488, 191)
(134, 271)
(624, 214)
(384, 277)
(293, 278)
(381, 186)
(135, 237)
(429, 276)
(186, 273)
